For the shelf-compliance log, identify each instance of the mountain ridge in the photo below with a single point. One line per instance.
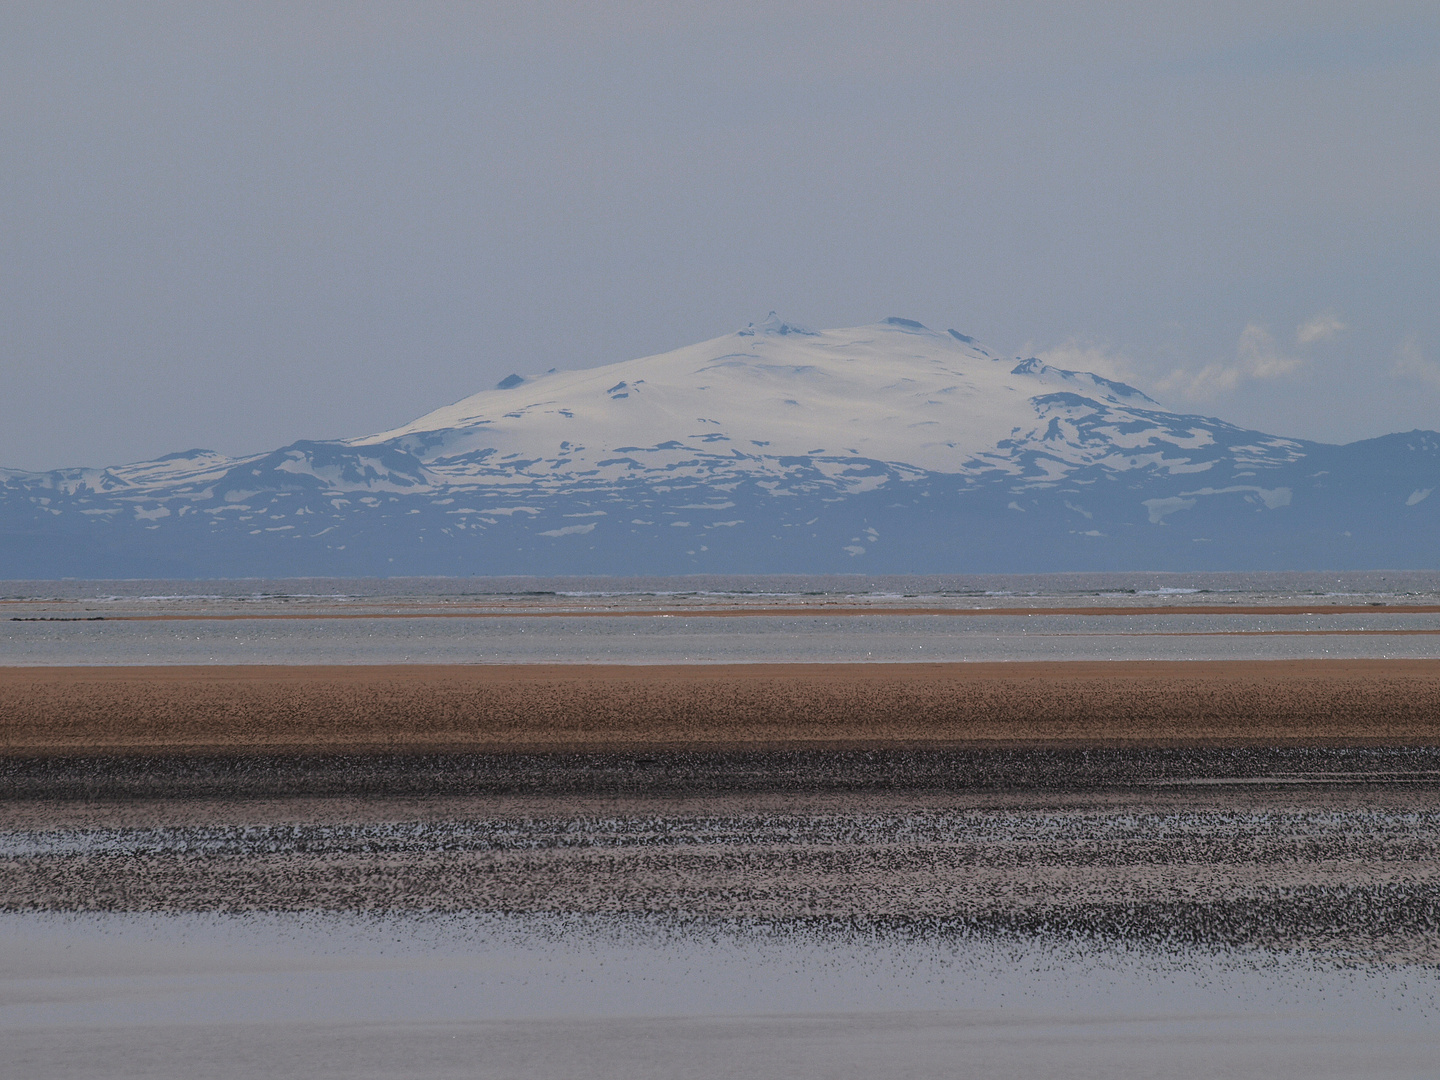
(889, 447)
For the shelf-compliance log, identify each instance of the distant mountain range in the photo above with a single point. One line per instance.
(887, 448)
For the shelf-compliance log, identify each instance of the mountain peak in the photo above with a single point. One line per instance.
(775, 326)
(1088, 380)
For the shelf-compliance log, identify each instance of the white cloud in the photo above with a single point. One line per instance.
(1210, 381)
(1320, 327)
(1072, 355)
(1257, 357)
(1412, 364)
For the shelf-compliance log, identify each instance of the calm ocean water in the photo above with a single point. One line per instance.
(226, 997)
(657, 620)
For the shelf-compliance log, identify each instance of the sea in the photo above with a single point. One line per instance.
(834, 619)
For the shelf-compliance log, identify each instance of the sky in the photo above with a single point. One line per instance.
(236, 225)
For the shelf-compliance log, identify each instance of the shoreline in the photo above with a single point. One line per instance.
(756, 611)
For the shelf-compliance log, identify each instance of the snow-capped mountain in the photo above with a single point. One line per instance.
(890, 447)
(894, 393)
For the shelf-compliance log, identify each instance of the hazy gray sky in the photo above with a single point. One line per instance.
(236, 225)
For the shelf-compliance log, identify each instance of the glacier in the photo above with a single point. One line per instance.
(889, 448)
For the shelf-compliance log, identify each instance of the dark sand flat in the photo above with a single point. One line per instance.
(1243, 868)
(534, 708)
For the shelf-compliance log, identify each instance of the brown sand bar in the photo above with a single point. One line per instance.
(622, 709)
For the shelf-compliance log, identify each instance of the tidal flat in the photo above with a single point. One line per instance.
(1119, 868)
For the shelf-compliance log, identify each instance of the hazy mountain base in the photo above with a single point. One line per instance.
(1366, 505)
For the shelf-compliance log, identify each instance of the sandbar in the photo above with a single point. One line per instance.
(575, 708)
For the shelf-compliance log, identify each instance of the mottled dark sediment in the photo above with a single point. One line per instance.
(179, 775)
(1348, 875)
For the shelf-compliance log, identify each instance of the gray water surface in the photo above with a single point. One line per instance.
(661, 621)
(671, 639)
(508, 996)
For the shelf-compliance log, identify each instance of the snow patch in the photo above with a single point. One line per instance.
(1273, 498)
(1159, 508)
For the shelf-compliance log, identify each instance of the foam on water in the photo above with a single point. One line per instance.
(1277, 586)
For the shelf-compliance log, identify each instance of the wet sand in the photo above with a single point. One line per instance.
(580, 709)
